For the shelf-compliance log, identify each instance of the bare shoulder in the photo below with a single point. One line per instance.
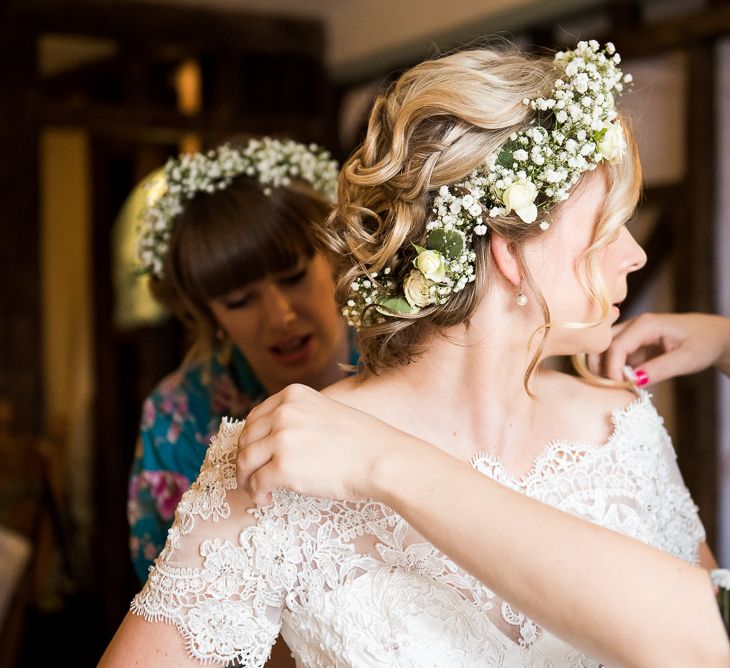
(343, 390)
(585, 394)
(585, 411)
(357, 392)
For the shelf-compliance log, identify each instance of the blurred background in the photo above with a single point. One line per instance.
(94, 95)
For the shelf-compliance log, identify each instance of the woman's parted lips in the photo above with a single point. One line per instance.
(290, 344)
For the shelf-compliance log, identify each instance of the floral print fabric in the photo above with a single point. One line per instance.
(179, 418)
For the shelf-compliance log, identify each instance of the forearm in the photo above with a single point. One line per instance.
(554, 567)
(141, 643)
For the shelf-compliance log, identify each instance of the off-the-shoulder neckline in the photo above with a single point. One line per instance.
(619, 417)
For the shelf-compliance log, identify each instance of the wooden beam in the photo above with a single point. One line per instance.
(20, 324)
(624, 13)
(675, 33)
(80, 77)
(111, 463)
(190, 28)
(159, 125)
(696, 396)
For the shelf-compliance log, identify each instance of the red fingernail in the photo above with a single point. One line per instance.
(641, 378)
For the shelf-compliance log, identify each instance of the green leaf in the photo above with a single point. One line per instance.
(420, 249)
(447, 242)
(505, 158)
(395, 305)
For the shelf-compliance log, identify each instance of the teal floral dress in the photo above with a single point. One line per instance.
(179, 418)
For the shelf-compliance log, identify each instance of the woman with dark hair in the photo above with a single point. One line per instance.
(227, 244)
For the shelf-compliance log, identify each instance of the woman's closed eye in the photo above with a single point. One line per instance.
(293, 279)
(243, 299)
(240, 301)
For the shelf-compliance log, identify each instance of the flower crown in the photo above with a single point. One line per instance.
(574, 130)
(271, 162)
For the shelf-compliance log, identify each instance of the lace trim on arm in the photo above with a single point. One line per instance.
(228, 608)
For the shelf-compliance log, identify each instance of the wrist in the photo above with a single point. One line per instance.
(389, 469)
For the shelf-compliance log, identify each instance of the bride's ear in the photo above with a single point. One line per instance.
(505, 259)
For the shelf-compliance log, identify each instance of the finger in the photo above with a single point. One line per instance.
(677, 362)
(291, 394)
(598, 363)
(614, 361)
(614, 358)
(265, 407)
(620, 326)
(593, 361)
(250, 459)
(637, 333)
(262, 483)
(639, 357)
(648, 329)
(256, 428)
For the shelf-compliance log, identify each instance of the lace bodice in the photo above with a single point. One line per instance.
(352, 584)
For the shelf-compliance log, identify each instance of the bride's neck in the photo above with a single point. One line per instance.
(470, 380)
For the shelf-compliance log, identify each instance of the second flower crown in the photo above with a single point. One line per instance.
(272, 163)
(574, 130)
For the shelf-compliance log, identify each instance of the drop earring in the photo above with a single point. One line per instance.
(224, 347)
(522, 297)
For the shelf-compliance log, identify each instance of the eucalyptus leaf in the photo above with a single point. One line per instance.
(505, 158)
(395, 305)
(447, 242)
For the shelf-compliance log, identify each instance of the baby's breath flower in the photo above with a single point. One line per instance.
(535, 167)
(272, 162)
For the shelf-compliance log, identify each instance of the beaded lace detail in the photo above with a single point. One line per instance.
(352, 584)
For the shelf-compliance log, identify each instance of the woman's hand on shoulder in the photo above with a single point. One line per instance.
(664, 345)
(303, 441)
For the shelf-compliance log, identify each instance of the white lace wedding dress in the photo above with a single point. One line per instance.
(351, 584)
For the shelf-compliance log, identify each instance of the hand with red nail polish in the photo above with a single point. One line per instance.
(642, 378)
(659, 346)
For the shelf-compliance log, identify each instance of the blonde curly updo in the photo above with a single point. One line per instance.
(433, 127)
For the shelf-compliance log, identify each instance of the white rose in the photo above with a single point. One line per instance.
(431, 264)
(613, 144)
(520, 198)
(416, 290)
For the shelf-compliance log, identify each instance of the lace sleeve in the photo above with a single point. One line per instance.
(682, 525)
(211, 579)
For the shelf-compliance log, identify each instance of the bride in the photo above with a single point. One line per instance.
(479, 229)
